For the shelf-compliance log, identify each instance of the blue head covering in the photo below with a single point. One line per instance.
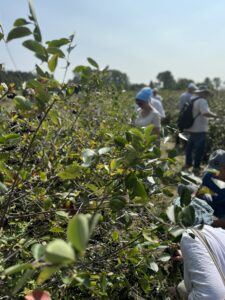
(144, 94)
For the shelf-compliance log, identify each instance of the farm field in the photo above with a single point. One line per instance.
(86, 160)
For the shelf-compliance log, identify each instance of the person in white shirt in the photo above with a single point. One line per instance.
(185, 97)
(197, 132)
(158, 106)
(202, 277)
(146, 113)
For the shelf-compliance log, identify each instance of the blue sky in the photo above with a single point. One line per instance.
(140, 38)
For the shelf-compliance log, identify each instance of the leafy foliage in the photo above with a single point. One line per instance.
(82, 193)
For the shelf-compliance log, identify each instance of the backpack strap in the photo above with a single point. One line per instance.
(193, 100)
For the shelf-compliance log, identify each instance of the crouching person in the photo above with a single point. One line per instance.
(204, 265)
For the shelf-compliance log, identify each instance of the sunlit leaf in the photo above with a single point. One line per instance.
(104, 150)
(45, 274)
(88, 156)
(154, 267)
(58, 43)
(59, 252)
(17, 268)
(22, 103)
(37, 251)
(176, 231)
(52, 63)
(70, 172)
(54, 50)
(20, 22)
(78, 232)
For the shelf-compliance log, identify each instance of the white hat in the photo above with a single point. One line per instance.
(192, 86)
(217, 159)
(202, 89)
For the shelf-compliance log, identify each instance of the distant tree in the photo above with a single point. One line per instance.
(17, 77)
(167, 79)
(182, 83)
(217, 82)
(208, 83)
(136, 86)
(118, 78)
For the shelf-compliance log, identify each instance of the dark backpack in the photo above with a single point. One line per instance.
(186, 118)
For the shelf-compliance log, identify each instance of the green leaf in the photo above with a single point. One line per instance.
(39, 71)
(168, 192)
(170, 212)
(46, 273)
(115, 235)
(62, 214)
(164, 257)
(42, 57)
(54, 117)
(37, 34)
(56, 229)
(150, 140)
(20, 22)
(78, 232)
(70, 172)
(17, 268)
(185, 198)
(22, 103)
(35, 47)
(18, 32)
(54, 50)
(104, 150)
(148, 131)
(1, 37)
(93, 221)
(80, 69)
(88, 157)
(136, 187)
(176, 231)
(92, 62)
(131, 154)
(116, 204)
(26, 276)
(187, 216)
(52, 63)
(120, 141)
(59, 252)
(154, 267)
(38, 251)
(58, 43)
(12, 136)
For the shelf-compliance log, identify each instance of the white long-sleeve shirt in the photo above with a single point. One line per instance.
(152, 118)
(201, 276)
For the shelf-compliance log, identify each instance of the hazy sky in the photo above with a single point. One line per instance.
(140, 38)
